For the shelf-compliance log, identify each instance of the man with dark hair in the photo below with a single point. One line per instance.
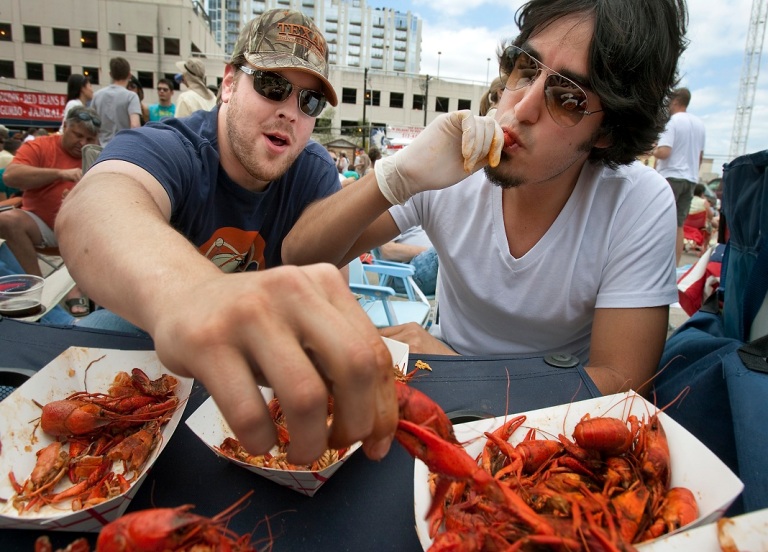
(163, 228)
(564, 243)
(46, 169)
(678, 154)
(118, 107)
(165, 106)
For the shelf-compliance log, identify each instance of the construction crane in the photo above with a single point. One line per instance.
(750, 70)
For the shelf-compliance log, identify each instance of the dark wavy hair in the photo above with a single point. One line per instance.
(75, 84)
(633, 67)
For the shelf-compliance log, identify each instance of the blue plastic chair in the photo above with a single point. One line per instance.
(380, 302)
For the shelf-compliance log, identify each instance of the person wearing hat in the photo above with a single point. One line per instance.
(198, 95)
(162, 229)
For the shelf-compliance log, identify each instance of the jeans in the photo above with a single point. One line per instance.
(103, 319)
(425, 265)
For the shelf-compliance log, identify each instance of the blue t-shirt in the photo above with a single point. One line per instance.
(235, 228)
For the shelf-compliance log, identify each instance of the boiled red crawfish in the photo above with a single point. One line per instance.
(165, 529)
(607, 489)
(93, 431)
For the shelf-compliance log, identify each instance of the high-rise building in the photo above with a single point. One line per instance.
(358, 35)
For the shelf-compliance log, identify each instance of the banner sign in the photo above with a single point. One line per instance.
(32, 106)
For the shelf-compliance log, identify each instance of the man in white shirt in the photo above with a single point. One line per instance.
(678, 153)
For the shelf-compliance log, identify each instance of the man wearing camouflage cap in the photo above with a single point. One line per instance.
(174, 227)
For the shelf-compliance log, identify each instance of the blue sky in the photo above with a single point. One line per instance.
(466, 32)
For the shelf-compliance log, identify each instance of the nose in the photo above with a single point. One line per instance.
(532, 103)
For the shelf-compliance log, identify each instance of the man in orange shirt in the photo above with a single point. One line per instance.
(46, 169)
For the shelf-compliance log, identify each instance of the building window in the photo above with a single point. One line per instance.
(61, 37)
(349, 95)
(441, 105)
(89, 39)
(171, 46)
(34, 71)
(396, 99)
(144, 44)
(62, 72)
(92, 73)
(32, 34)
(350, 128)
(373, 97)
(146, 79)
(418, 102)
(465, 104)
(117, 42)
(7, 69)
(6, 33)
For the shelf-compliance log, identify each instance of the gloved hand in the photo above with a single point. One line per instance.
(452, 147)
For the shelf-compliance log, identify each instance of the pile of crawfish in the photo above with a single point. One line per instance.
(93, 431)
(606, 489)
(232, 448)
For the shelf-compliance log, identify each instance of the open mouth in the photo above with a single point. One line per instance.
(277, 140)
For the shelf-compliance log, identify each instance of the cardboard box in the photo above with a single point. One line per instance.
(22, 438)
(693, 465)
(209, 425)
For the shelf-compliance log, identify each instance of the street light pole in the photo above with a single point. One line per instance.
(438, 64)
(488, 73)
(426, 99)
(365, 102)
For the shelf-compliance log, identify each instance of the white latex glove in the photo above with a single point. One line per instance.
(452, 147)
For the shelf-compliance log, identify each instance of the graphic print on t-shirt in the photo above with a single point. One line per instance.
(235, 250)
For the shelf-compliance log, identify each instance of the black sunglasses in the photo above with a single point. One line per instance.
(278, 89)
(88, 118)
(566, 101)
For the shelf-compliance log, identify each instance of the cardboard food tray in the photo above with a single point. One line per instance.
(22, 438)
(694, 466)
(209, 425)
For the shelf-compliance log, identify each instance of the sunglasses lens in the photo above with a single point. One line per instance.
(565, 100)
(272, 86)
(312, 103)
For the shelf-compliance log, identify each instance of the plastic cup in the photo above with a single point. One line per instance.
(21, 295)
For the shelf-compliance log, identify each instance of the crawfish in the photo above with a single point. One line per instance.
(74, 417)
(426, 433)
(50, 468)
(678, 508)
(607, 435)
(161, 529)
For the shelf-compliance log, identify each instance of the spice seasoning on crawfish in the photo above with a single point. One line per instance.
(95, 431)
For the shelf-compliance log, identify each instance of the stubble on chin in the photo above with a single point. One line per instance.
(497, 177)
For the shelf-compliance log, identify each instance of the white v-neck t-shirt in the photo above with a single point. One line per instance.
(611, 246)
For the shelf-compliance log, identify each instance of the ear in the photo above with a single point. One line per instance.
(228, 83)
(605, 138)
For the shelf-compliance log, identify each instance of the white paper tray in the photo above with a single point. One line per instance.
(19, 414)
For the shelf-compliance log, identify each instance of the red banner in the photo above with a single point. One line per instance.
(36, 106)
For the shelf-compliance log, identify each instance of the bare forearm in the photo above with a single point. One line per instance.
(25, 177)
(330, 229)
(123, 253)
(400, 252)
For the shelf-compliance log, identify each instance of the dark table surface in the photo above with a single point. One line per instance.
(366, 505)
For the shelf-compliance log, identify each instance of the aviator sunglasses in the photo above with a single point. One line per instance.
(88, 118)
(566, 101)
(278, 89)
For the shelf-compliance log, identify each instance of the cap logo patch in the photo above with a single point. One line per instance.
(299, 34)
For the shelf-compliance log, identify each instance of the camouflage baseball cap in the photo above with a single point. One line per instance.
(285, 39)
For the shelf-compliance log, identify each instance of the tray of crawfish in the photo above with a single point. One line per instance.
(209, 425)
(601, 474)
(78, 438)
